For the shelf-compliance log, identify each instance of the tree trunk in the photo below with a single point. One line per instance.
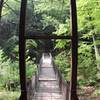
(95, 47)
(1, 6)
(96, 52)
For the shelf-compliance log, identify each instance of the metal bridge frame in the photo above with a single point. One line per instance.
(74, 38)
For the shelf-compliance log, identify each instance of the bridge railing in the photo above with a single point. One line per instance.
(64, 86)
(32, 84)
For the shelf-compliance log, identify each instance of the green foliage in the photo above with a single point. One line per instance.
(86, 65)
(88, 27)
(9, 95)
(63, 63)
(31, 68)
(10, 72)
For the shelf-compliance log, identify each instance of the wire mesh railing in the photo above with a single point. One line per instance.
(64, 86)
(32, 84)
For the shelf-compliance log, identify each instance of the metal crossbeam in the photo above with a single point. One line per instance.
(47, 37)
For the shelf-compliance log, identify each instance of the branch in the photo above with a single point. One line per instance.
(5, 1)
(11, 9)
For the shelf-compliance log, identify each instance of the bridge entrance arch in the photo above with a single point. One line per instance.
(74, 39)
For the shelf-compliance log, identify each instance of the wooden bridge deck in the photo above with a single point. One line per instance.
(48, 86)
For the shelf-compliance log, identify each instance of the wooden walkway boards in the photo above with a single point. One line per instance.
(48, 87)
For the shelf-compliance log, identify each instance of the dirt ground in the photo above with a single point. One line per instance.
(88, 93)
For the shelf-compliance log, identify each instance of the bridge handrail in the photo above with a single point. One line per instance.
(33, 84)
(64, 86)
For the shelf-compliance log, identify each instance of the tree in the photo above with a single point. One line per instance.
(1, 6)
(89, 26)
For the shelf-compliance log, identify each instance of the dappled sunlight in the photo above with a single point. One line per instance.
(46, 58)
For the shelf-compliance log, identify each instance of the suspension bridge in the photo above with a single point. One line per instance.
(48, 83)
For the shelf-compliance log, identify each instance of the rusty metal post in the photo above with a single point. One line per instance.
(73, 85)
(22, 50)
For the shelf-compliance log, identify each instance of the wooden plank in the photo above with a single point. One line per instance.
(47, 37)
(73, 85)
(22, 50)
